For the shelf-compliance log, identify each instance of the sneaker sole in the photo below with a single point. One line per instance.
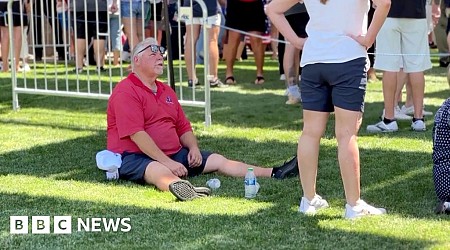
(365, 213)
(419, 130)
(185, 191)
(380, 131)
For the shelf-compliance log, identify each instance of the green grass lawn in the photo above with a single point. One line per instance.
(47, 167)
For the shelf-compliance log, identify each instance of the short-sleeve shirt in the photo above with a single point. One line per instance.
(408, 9)
(329, 29)
(133, 107)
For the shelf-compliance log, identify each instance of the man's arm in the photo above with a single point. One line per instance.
(189, 141)
(149, 147)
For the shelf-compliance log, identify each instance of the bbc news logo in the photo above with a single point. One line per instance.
(63, 224)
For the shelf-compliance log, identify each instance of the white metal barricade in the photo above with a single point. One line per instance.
(51, 73)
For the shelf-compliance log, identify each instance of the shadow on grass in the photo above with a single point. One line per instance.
(157, 228)
(384, 175)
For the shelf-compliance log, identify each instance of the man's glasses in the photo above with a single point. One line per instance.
(154, 48)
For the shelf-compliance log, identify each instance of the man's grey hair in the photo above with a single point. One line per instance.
(141, 45)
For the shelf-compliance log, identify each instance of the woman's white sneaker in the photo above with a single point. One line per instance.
(362, 209)
(311, 207)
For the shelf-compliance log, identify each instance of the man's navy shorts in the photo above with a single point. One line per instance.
(134, 164)
(325, 85)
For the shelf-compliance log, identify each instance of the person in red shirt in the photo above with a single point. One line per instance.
(148, 127)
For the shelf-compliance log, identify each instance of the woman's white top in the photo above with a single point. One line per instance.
(329, 28)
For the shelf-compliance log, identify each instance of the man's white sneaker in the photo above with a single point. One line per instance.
(362, 209)
(398, 114)
(311, 207)
(282, 77)
(382, 127)
(410, 111)
(418, 125)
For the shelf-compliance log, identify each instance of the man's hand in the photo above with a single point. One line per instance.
(177, 168)
(195, 157)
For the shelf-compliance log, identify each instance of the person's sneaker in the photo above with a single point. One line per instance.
(101, 69)
(217, 84)
(294, 95)
(442, 208)
(311, 207)
(362, 209)
(25, 68)
(382, 127)
(443, 64)
(398, 114)
(418, 125)
(191, 82)
(282, 77)
(185, 191)
(288, 169)
(292, 100)
(410, 111)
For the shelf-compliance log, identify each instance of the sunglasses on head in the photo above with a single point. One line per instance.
(154, 48)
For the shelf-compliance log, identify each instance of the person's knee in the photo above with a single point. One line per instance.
(158, 174)
(216, 162)
(315, 132)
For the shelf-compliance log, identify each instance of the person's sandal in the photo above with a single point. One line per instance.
(259, 80)
(185, 191)
(230, 80)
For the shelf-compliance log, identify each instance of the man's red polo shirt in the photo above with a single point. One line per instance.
(132, 107)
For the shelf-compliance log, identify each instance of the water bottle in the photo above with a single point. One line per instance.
(213, 183)
(250, 184)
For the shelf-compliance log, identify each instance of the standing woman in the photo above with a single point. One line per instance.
(335, 65)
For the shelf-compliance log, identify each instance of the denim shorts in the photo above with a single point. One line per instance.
(134, 9)
(326, 85)
(134, 164)
(115, 33)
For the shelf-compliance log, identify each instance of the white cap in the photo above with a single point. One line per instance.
(108, 161)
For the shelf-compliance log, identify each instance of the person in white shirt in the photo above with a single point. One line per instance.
(335, 65)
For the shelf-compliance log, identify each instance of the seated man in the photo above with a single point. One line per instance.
(147, 125)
